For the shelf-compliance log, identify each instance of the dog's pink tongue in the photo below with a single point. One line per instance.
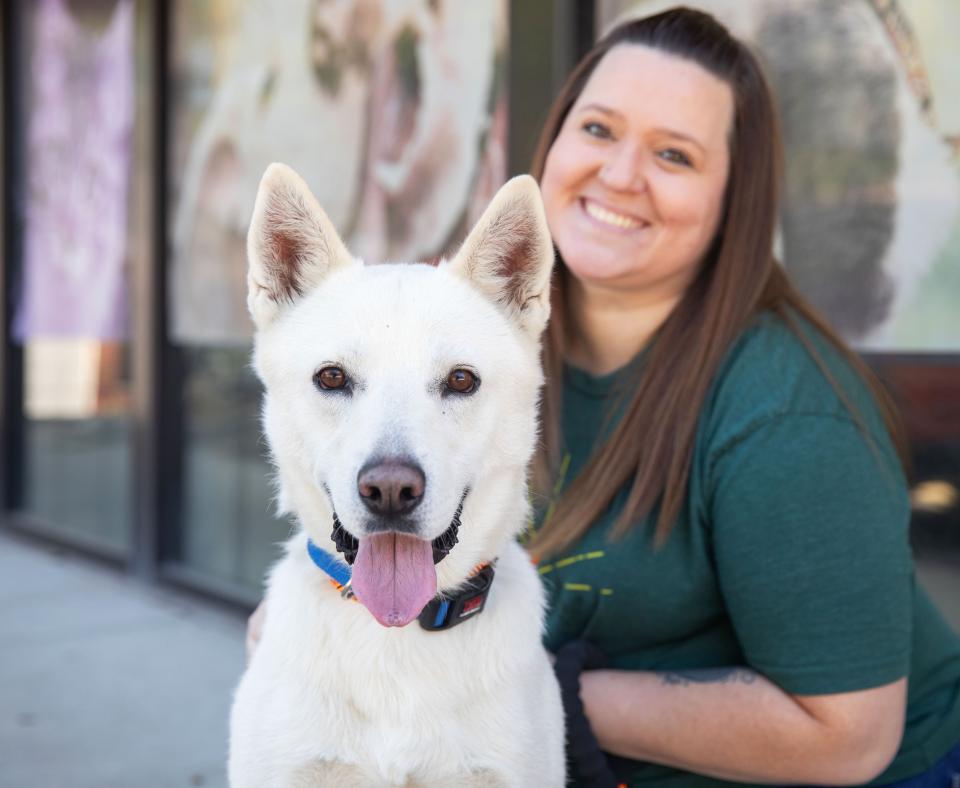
(393, 576)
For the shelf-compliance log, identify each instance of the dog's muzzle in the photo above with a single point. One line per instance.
(348, 545)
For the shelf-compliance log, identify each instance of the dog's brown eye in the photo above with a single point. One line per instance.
(330, 378)
(462, 381)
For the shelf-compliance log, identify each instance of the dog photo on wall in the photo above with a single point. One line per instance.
(393, 111)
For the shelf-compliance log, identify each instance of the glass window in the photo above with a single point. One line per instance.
(72, 306)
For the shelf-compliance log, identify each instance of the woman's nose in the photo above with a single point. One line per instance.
(622, 170)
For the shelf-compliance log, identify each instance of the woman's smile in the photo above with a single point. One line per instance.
(610, 218)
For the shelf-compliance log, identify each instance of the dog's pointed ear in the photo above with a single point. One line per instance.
(509, 255)
(291, 244)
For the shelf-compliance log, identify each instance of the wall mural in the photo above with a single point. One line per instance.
(394, 111)
(867, 92)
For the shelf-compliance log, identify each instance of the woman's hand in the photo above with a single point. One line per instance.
(255, 629)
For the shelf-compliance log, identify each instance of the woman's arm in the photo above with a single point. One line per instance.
(809, 534)
(736, 725)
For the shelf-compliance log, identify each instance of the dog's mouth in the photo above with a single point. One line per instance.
(393, 573)
(348, 545)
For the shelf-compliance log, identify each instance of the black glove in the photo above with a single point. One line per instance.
(585, 760)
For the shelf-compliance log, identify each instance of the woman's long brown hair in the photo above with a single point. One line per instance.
(652, 447)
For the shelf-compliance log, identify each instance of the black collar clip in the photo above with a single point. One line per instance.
(444, 613)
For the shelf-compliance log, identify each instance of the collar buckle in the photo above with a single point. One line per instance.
(445, 613)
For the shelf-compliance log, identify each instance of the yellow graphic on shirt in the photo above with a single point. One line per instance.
(561, 563)
(586, 587)
(573, 559)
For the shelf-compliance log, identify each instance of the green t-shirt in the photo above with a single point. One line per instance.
(790, 557)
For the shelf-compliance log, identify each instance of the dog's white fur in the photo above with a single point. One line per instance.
(331, 697)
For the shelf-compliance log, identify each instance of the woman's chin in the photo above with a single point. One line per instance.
(599, 270)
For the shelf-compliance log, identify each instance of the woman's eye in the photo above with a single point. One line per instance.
(598, 130)
(675, 156)
(462, 381)
(330, 378)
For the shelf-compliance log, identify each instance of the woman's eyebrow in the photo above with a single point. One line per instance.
(681, 136)
(603, 109)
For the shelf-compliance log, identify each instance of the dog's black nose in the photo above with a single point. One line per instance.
(391, 486)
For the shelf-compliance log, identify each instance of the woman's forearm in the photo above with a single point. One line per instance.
(736, 725)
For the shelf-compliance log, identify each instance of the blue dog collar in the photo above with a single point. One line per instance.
(337, 571)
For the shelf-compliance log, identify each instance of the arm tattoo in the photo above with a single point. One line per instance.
(684, 678)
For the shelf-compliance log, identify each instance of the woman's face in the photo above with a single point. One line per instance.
(633, 185)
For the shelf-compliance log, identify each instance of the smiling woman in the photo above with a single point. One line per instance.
(723, 534)
(633, 191)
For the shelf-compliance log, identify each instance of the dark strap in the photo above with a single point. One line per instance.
(585, 760)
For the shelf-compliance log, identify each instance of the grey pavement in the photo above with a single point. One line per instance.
(106, 682)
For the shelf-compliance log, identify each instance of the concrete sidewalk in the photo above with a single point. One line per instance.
(106, 682)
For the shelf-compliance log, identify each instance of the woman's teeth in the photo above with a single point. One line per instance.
(609, 217)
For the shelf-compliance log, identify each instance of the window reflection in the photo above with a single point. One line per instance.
(72, 308)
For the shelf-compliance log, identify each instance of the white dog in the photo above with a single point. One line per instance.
(400, 408)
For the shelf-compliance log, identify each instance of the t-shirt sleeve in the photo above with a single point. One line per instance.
(812, 554)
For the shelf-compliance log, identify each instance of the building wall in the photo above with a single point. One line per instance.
(131, 429)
